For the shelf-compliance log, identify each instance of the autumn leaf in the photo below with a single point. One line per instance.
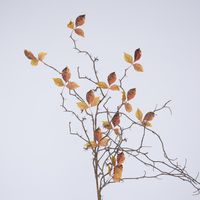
(104, 142)
(80, 20)
(131, 94)
(128, 107)
(90, 96)
(139, 114)
(90, 145)
(79, 32)
(66, 74)
(102, 85)
(58, 82)
(96, 101)
(29, 55)
(138, 67)
(82, 105)
(147, 124)
(117, 131)
(149, 116)
(120, 158)
(109, 170)
(41, 56)
(116, 119)
(114, 87)
(117, 173)
(123, 96)
(128, 58)
(107, 125)
(113, 160)
(112, 78)
(70, 25)
(72, 85)
(137, 55)
(34, 62)
(98, 134)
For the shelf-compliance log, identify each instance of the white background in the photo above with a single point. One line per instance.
(38, 158)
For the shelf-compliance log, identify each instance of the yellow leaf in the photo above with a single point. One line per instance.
(128, 107)
(90, 145)
(107, 125)
(102, 85)
(123, 96)
(95, 101)
(79, 32)
(34, 62)
(70, 25)
(41, 55)
(58, 82)
(114, 87)
(72, 85)
(128, 58)
(139, 114)
(113, 160)
(104, 142)
(117, 173)
(146, 123)
(138, 67)
(82, 105)
(109, 170)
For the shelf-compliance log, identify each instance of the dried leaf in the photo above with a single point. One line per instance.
(117, 131)
(137, 55)
(41, 56)
(72, 85)
(98, 134)
(116, 119)
(102, 85)
(29, 55)
(66, 74)
(58, 82)
(70, 25)
(79, 32)
(95, 102)
(34, 62)
(123, 96)
(113, 160)
(109, 170)
(117, 173)
(104, 142)
(114, 87)
(146, 123)
(82, 105)
(149, 116)
(112, 78)
(90, 96)
(90, 145)
(128, 58)
(139, 114)
(80, 20)
(128, 107)
(107, 125)
(131, 94)
(138, 67)
(120, 158)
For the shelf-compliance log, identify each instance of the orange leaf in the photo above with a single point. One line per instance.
(114, 87)
(138, 67)
(72, 85)
(80, 20)
(117, 173)
(66, 74)
(123, 96)
(95, 102)
(128, 58)
(79, 32)
(70, 25)
(98, 134)
(111, 78)
(120, 158)
(104, 142)
(116, 119)
(128, 107)
(131, 94)
(29, 55)
(58, 82)
(90, 96)
(137, 54)
(82, 105)
(102, 85)
(41, 56)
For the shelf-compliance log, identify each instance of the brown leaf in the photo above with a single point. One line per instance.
(29, 55)
(131, 94)
(95, 102)
(90, 96)
(114, 87)
(138, 67)
(120, 158)
(112, 78)
(72, 85)
(116, 119)
(117, 131)
(149, 117)
(117, 173)
(66, 74)
(79, 32)
(80, 20)
(98, 134)
(104, 142)
(58, 82)
(128, 107)
(137, 55)
(107, 125)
